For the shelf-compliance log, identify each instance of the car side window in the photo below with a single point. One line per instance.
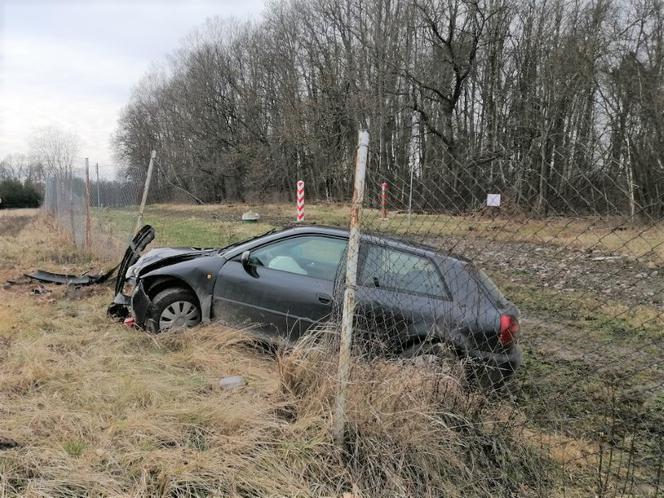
(402, 271)
(314, 256)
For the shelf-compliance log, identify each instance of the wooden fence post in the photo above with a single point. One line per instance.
(343, 374)
(146, 189)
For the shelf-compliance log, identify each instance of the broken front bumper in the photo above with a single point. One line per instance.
(140, 305)
(121, 306)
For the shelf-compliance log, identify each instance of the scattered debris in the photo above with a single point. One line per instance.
(250, 217)
(7, 444)
(40, 290)
(78, 292)
(64, 279)
(607, 258)
(231, 382)
(11, 282)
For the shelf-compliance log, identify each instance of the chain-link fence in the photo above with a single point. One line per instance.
(97, 215)
(518, 348)
(556, 320)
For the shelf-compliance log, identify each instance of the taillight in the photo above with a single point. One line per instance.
(509, 329)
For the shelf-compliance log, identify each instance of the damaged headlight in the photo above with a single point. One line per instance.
(129, 286)
(131, 277)
(132, 272)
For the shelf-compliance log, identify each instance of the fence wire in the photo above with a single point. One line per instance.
(579, 380)
(536, 334)
(97, 215)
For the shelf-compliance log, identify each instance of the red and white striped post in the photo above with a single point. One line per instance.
(383, 200)
(300, 201)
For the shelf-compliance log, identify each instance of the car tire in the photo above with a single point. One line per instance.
(174, 308)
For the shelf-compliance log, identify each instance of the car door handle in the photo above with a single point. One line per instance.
(324, 298)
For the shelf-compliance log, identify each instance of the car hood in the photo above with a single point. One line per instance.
(164, 256)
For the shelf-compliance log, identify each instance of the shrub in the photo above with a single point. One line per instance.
(14, 194)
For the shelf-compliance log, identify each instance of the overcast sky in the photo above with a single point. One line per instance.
(72, 64)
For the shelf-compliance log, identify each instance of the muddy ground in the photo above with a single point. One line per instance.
(601, 273)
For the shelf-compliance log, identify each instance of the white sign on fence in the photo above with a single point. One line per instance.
(493, 200)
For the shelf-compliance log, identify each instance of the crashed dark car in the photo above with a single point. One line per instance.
(283, 282)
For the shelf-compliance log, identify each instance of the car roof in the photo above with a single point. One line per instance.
(371, 237)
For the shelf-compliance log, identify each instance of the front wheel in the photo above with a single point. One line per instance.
(175, 308)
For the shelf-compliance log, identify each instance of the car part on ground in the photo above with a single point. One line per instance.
(143, 237)
(65, 279)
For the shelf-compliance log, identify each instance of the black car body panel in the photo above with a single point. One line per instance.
(459, 305)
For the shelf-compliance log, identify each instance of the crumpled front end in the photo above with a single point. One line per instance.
(141, 306)
(120, 307)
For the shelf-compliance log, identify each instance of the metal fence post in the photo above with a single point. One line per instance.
(343, 373)
(87, 204)
(72, 223)
(98, 191)
(146, 189)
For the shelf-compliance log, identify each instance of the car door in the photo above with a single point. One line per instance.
(401, 295)
(289, 286)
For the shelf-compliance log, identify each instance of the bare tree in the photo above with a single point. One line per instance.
(538, 99)
(56, 149)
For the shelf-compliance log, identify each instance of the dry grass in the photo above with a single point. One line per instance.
(91, 408)
(414, 430)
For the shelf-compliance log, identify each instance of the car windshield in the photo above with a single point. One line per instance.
(235, 244)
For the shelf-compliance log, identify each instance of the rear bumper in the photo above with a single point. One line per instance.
(510, 360)
(492, 370)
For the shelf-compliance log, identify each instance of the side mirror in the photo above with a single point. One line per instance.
(248, 266)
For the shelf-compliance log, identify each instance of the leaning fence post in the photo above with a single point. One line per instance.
(343, 373)
(87, 203)
(146, 189)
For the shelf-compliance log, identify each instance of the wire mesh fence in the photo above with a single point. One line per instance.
(529, 334)
(573, 354)
(93, 214)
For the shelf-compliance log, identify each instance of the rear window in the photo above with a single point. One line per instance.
(489, 287)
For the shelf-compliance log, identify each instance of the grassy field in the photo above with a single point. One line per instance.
(214, 225)
(89, 407)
